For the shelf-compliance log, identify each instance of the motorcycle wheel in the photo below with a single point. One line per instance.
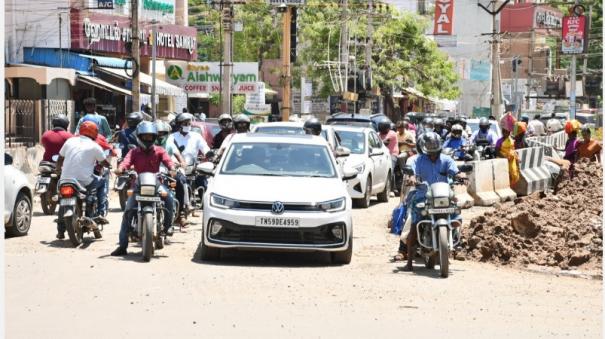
(74, 231)
(444, 252)
(48, 205)
(147, 238)
(123, 194)
(159, 241)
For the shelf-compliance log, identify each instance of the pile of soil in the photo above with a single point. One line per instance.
(561, 230)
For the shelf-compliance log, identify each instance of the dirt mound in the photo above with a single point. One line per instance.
(563, 230)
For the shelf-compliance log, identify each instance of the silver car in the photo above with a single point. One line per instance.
(17, 200)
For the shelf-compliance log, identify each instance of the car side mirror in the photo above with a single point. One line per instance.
(342, 151)
(376, 152)
(206, 168)
(348, 173)
(8, 159)
(465, 168)
(407, 170)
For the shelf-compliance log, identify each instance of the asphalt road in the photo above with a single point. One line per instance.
(56, 291)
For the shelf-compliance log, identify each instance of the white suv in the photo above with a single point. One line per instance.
(277, 192)
(372, 160)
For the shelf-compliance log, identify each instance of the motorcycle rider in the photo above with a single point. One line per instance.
(54, 139)
(456, 142)
(226, 123)
(80, 155)
(439, 128)
(431, 167)
(312, 126)
(126, 137)
(90, 105)
(242, 125)
(145, 158)
(484, 133)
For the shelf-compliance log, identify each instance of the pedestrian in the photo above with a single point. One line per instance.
(571, 146)
(505, 148)
(553, 125)
(405, 138)
(90, 105)
(589, 148)
(535, 127)
(519, 132)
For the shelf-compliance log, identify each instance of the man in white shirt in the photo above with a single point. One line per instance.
(77, 160)
(536, 127)
(553, 125)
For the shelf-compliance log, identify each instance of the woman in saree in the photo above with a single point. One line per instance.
(505, 148)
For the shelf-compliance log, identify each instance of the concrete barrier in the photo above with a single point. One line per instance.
(549, 150)
(502, 180)
(535, 176)
(463, 199)
(481, 183)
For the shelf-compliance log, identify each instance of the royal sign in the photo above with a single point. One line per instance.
(444, 17)
(205, 77)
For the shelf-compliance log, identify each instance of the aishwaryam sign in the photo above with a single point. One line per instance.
(205, 77)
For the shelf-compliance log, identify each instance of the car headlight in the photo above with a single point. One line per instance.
(441, 202)
(222, 202)
(333, 205)
(360, 168)
(147, 190)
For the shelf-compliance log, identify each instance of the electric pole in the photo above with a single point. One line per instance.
(369, 43)
(136, 55)
(572, 83)
(227, 65)
(286, 74)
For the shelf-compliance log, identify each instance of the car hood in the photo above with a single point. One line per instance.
(355, 159)
(284, 189)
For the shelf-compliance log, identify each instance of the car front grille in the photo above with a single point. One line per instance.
(244, 234)
(264, 206)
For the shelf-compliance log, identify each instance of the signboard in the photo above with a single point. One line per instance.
(110, 34)
(480, 70)
(545, 18)
(444, 15)
(257, 109)
(258, 97)
(205, 77)
(286, 2)
(307, 92)
(105, 4)
(573, 40)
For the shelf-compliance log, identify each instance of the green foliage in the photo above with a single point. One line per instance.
(238, 103)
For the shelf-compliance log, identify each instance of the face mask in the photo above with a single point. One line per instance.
(186, 129)
(427, 129)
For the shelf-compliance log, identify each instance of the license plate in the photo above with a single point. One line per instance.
(143, 198)
(67, 202)
(277, 221)
(44, 180)
(442, 210)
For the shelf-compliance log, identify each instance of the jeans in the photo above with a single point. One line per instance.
(130, 212)
(181, 190)
(102, 195)
(98, 183)
(394, 167)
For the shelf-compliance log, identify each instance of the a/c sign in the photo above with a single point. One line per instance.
(444, 15)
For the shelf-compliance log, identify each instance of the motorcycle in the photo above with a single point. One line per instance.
(482, 150)
(122, 184)
(437, 232)
(46, 185)
(461, 154)
(400, 164)
(147, 224)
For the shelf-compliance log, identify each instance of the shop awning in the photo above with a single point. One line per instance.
(162, 87)
(82, 63)
(103, 84)
(43, 75)
(108, 62)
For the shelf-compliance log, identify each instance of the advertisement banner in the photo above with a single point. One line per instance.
(205, 77)
(574, 32)
(444, 15)
(480, 70)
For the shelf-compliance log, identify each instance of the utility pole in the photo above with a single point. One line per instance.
(226, 97)
(585, 61)
(285, 54)
(572, 83)
(344, 49)
(136, 55)
(496, 100)
(369, 43)
(153, 73)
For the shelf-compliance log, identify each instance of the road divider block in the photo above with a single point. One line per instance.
(502, 180)
(481, 183)
(535, 175)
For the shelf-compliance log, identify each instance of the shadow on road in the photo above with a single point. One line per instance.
(41, 214)
(421, 270)
(250, 258)
(65, 243)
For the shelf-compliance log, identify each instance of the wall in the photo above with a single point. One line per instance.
(58, 89)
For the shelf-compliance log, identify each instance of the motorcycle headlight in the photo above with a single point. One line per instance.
(147, 190)
(360, 168)
(222, 202)
(441, 202)
(335, 205)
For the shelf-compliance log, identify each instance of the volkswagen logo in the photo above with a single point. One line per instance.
(277, 208)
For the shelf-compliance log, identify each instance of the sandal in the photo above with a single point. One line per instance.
(398, 257)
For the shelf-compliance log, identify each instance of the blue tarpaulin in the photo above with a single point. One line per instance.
(83, 63)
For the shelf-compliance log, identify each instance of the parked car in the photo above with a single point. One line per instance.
(372, 161)
(207, 129)
(493, 126)
(18, 197)
(277, 192)
(296, 128)
(348, 119)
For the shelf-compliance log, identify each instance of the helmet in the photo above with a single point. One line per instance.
(430, 143)
(484, 124)
(133, 119)
(144, 129)
(312, 126)
(384, 125)
(241, 123)
(89, 129)
(163, 128)
(60, 121)
(457, 130)
(439, 123)
(225, 121)
(427, 121)
(183, 117)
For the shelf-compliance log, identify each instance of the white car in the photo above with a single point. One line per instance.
(296, 128)
(279, 193)
(17, 200)
(372, 160)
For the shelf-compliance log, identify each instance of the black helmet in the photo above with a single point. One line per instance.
(384, 125)
(184, 117)
(430, 143)
(60, 121)
(225, 121)
(144, 129)
(241, 123)
(133, 119)
(484, 124)
(312, 126)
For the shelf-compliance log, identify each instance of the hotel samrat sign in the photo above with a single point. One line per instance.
(205, 77)
(109, 34)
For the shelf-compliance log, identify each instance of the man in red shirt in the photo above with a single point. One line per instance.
(145, 158)
(54, 139)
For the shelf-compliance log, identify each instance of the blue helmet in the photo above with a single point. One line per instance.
(146, 134)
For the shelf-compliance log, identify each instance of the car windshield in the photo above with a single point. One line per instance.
(279, 159)
(475, 126)
(351, 123)
(288, 130)
(355, 141)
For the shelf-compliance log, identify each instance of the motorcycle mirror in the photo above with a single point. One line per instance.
(55, 157)
(465, 168)
(8, 159)
(407, 170)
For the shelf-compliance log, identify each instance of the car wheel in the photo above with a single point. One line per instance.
(22, 216)
(343, 257)
(365, 201)
(384, 195)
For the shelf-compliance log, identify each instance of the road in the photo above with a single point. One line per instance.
(55, 291)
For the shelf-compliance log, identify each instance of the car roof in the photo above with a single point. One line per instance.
(280, 124)
(348, 128)
(279, 138)
(350, 117)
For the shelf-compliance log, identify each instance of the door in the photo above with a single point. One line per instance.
(378, 158)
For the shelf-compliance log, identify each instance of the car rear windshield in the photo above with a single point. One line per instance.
(280, 130)
(355, 141)
(283, 159)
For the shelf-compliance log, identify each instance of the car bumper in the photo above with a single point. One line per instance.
(313, 234)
